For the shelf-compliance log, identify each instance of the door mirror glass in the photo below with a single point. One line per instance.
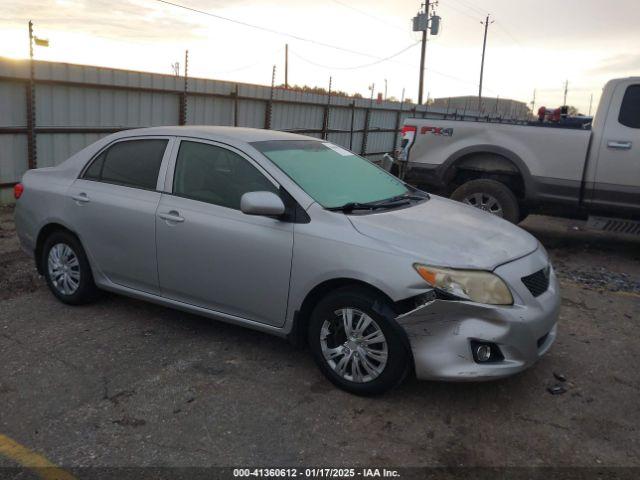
(267, 204)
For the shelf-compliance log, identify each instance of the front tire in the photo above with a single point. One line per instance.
(490, 196)
(356, 345)
(67, 270)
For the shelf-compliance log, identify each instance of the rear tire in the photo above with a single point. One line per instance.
(490, 196)
(370, 359)
(67, 270)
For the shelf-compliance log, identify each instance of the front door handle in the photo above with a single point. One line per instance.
(619, 145)
(81, 198)
(171, 216)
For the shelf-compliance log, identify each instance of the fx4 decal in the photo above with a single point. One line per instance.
(441, 132)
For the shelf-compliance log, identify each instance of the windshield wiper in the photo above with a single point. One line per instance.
(351, 206)
(407, 196)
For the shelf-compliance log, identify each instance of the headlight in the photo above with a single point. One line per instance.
(474, 285)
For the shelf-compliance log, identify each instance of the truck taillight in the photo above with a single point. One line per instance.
(18, 189)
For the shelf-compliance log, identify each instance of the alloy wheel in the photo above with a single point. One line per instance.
(485, 203)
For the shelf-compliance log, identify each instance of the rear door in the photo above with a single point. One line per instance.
(212, 255)
(617, 179)
(112, 208)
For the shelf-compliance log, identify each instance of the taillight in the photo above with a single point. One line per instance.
(18, 189)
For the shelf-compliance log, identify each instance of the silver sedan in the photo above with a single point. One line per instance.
(297, 237)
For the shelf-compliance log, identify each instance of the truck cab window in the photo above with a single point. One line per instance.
(630, 109)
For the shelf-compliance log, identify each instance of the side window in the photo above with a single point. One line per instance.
(630, 109)
(94, 172)
(133, 163)
(216, 175)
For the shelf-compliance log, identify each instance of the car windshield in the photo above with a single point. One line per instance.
(331, 175)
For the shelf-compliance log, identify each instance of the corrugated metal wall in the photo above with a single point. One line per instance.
(75, 105)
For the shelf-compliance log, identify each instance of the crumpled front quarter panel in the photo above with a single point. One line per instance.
(330, 248)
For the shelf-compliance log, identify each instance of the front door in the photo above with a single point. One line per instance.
(113, 205)
(212, 255)
(617, 182)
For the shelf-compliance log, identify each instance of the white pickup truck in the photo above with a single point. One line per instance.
(513, 170)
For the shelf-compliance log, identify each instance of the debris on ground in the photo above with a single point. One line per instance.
(557, 389)
(560, 377)
(602, 279)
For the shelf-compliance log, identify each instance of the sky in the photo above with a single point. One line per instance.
(532, 44)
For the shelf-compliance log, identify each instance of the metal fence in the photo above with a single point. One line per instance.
(67, 107)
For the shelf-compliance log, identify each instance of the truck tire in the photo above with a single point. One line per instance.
(490, 196)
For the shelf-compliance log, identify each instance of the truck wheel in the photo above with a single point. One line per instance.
(490, 196)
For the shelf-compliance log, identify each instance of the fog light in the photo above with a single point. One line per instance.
(483, 353)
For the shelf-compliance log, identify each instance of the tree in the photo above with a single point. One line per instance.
(572, 111)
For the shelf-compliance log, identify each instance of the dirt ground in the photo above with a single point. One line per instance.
(125, 383)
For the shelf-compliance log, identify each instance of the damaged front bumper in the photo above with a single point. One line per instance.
(441, 331)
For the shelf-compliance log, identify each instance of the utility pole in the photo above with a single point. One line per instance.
(385, 89)
(484, 49)
(31, 105)
(183, 101)
(31, 98)
(423, 51)
(566, 90)
(31, 41)
(286, 65)
(533, 102)
(425, 24)
(590, 104)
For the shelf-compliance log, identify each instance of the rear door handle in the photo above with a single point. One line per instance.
(81, 198)
(171, 216)
(619, 145)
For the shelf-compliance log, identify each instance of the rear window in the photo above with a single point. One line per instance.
(132, 163)
(630, 109)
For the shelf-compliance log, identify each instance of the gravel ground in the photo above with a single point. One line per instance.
(125, 383)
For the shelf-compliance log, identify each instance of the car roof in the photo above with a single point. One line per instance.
(231, 134)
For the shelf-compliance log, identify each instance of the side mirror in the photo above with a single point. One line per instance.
(266, 204)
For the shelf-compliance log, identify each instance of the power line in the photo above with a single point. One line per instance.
(367, 14)
(471, 7)
(462, 12)
(406, 65)
(269, 30)
(509, 34)
(266, 58)
(315, 42)
(358, 66)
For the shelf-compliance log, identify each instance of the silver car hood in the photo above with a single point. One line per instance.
(442, 232)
